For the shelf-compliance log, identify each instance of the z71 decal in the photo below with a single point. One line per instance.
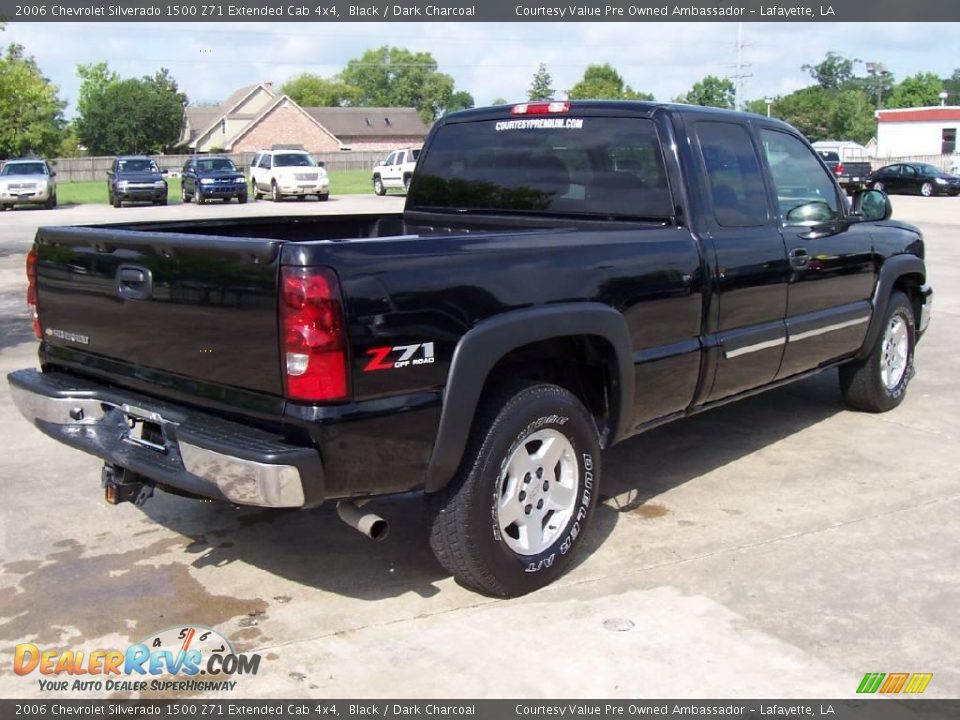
(399, 356)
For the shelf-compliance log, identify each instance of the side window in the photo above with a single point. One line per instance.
(390, 159)
(266, 162)
(908, 171)
(733, 171)
(805, 191)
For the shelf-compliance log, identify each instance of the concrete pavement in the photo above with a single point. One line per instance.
(778, 547)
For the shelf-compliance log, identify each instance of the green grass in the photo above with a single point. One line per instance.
(94, 192)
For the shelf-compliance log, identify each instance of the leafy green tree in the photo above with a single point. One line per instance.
(833, 72)
(541, 87)
(918, 90)
(499, 101)
(712, 92)
(460, 100)
(602, 82)
(397, 77)
(31, 112)
(117, 116)
(822, 114)
(309, 90)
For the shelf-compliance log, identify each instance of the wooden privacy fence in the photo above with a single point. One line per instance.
(95, 168)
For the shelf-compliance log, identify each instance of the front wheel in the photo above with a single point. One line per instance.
(275, 192)
(242, 199)
(378, 186)
(512, 518)
(324, 197)
(879, 382)
(926, 189)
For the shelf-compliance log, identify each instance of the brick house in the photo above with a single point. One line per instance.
(256, 117)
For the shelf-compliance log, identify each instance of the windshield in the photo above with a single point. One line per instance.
(925, 169)
(29, 168)
(216, 165)
(601, 167)
(293, 160)
(829, 156)
(137, 165)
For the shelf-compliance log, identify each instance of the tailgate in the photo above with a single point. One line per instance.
(197, 306)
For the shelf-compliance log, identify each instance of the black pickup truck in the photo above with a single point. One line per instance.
(563, 276)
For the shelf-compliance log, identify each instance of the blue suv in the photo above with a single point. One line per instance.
(204, 178)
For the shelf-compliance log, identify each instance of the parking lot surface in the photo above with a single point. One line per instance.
(777, 547)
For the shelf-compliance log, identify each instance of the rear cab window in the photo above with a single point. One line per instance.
(588, 167)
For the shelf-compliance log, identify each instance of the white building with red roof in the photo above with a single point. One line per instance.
(906, 132)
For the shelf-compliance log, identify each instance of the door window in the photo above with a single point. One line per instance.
(733, 170)
(909, 171)
(806, 194)
(390, 158)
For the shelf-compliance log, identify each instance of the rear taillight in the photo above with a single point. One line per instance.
(32, 291)
(540, 108)
(839, 169)
(312, 342)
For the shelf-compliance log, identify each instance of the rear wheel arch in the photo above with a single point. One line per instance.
(515, 344)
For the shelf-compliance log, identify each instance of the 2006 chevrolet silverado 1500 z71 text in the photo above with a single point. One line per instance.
(564, 276)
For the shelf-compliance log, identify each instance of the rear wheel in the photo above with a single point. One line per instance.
(512, 518)
(926, 189)
(184, 195)
(378, 187)
(879, 382)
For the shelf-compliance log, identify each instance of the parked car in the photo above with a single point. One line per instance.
(851, 175)
(27, 182)
(564, 275)
(286, 173)
(135, 178)
(915, 179)
(208, 177)
(395, 170)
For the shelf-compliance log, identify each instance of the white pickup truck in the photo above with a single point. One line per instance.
(395, 170)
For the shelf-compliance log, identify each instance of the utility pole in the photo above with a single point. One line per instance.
(740, 67)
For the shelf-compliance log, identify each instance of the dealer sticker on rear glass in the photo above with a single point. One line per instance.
(540, 123)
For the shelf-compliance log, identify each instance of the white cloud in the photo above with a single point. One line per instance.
(489, 60)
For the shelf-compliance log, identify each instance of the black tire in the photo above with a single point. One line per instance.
(199, 197)
(378, 187)
(4, 208)
(51, 202)
(257, 195)
(406, 184)
(861, 381)
(185, 197)
(324, 197)
(242, 199)
(275, 192)
(464, 539)
(117, 202)
(926, 189)
(301, 197)
(163, 201)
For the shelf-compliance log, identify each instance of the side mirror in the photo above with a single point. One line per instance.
(810, 213)
(871, 205)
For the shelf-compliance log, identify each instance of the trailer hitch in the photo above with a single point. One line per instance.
(121, 485)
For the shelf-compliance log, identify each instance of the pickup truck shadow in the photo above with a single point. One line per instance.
(315, 549)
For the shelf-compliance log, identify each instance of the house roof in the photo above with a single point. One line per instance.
(207, 117)
(920, 114)
(201, 118)
(279, 101)
(347, 122)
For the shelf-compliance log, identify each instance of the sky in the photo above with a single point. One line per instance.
(489, 60)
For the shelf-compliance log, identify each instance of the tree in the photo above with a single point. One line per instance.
(460, 100)
(499, 101)
(952, 86)
(309, 90)
(602, 82)
(822, 114)
(833, 72)
(712, 92)
(540, 88)
(31, 112)
(918, 90)
(117, 116)
(397, 77)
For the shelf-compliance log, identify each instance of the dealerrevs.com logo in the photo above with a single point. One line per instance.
(190, 658)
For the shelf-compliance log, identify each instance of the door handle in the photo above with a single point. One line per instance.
(799, 259)
(134, 283)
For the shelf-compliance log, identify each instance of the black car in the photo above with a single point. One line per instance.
(915, 178)
(136, 178)
(212, 177)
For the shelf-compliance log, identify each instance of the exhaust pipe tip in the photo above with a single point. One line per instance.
(369, 524)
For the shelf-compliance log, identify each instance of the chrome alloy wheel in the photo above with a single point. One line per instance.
(539, 485)
(894, 353)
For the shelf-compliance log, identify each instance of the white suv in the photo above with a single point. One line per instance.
(395, 170)
(283, 173)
